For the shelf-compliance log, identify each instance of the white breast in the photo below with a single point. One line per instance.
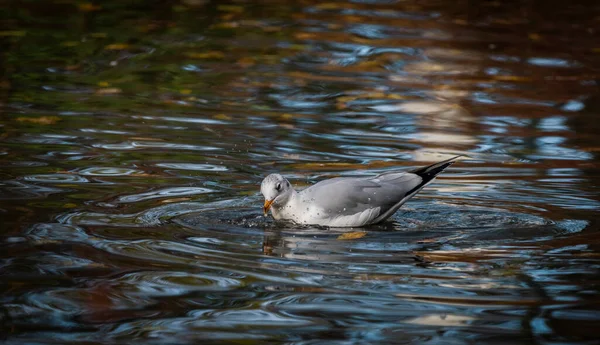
(308, 213)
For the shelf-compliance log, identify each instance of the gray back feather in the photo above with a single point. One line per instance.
(348, 196)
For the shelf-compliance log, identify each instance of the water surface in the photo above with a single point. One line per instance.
(134, 138)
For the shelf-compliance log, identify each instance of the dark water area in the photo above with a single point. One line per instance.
(134, 137)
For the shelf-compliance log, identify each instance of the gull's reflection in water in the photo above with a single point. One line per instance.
(380, 244)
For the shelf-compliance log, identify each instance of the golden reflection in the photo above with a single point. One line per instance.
(441, 320)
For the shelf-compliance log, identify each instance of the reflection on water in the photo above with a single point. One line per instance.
(135, 138)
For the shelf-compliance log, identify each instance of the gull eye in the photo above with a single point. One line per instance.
(278, 186)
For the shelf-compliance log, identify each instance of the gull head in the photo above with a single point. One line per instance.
(276, 190)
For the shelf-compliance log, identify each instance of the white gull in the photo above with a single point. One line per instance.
(347, 201)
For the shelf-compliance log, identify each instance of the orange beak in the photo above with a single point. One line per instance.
(267, 206)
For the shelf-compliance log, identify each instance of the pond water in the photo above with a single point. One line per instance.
(135, 135)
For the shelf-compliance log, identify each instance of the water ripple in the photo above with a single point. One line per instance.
(164, 193)
(138, 145)
(501, 248)
(12, 190)
(172, 283)
(107, 171)
(56, 232)
(192, 166)
(56, 178)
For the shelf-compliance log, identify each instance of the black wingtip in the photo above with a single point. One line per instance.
(429, 172)
(427, 175)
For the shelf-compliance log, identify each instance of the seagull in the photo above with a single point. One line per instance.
(347, 201)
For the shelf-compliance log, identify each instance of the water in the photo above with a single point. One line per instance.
(135, 136)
